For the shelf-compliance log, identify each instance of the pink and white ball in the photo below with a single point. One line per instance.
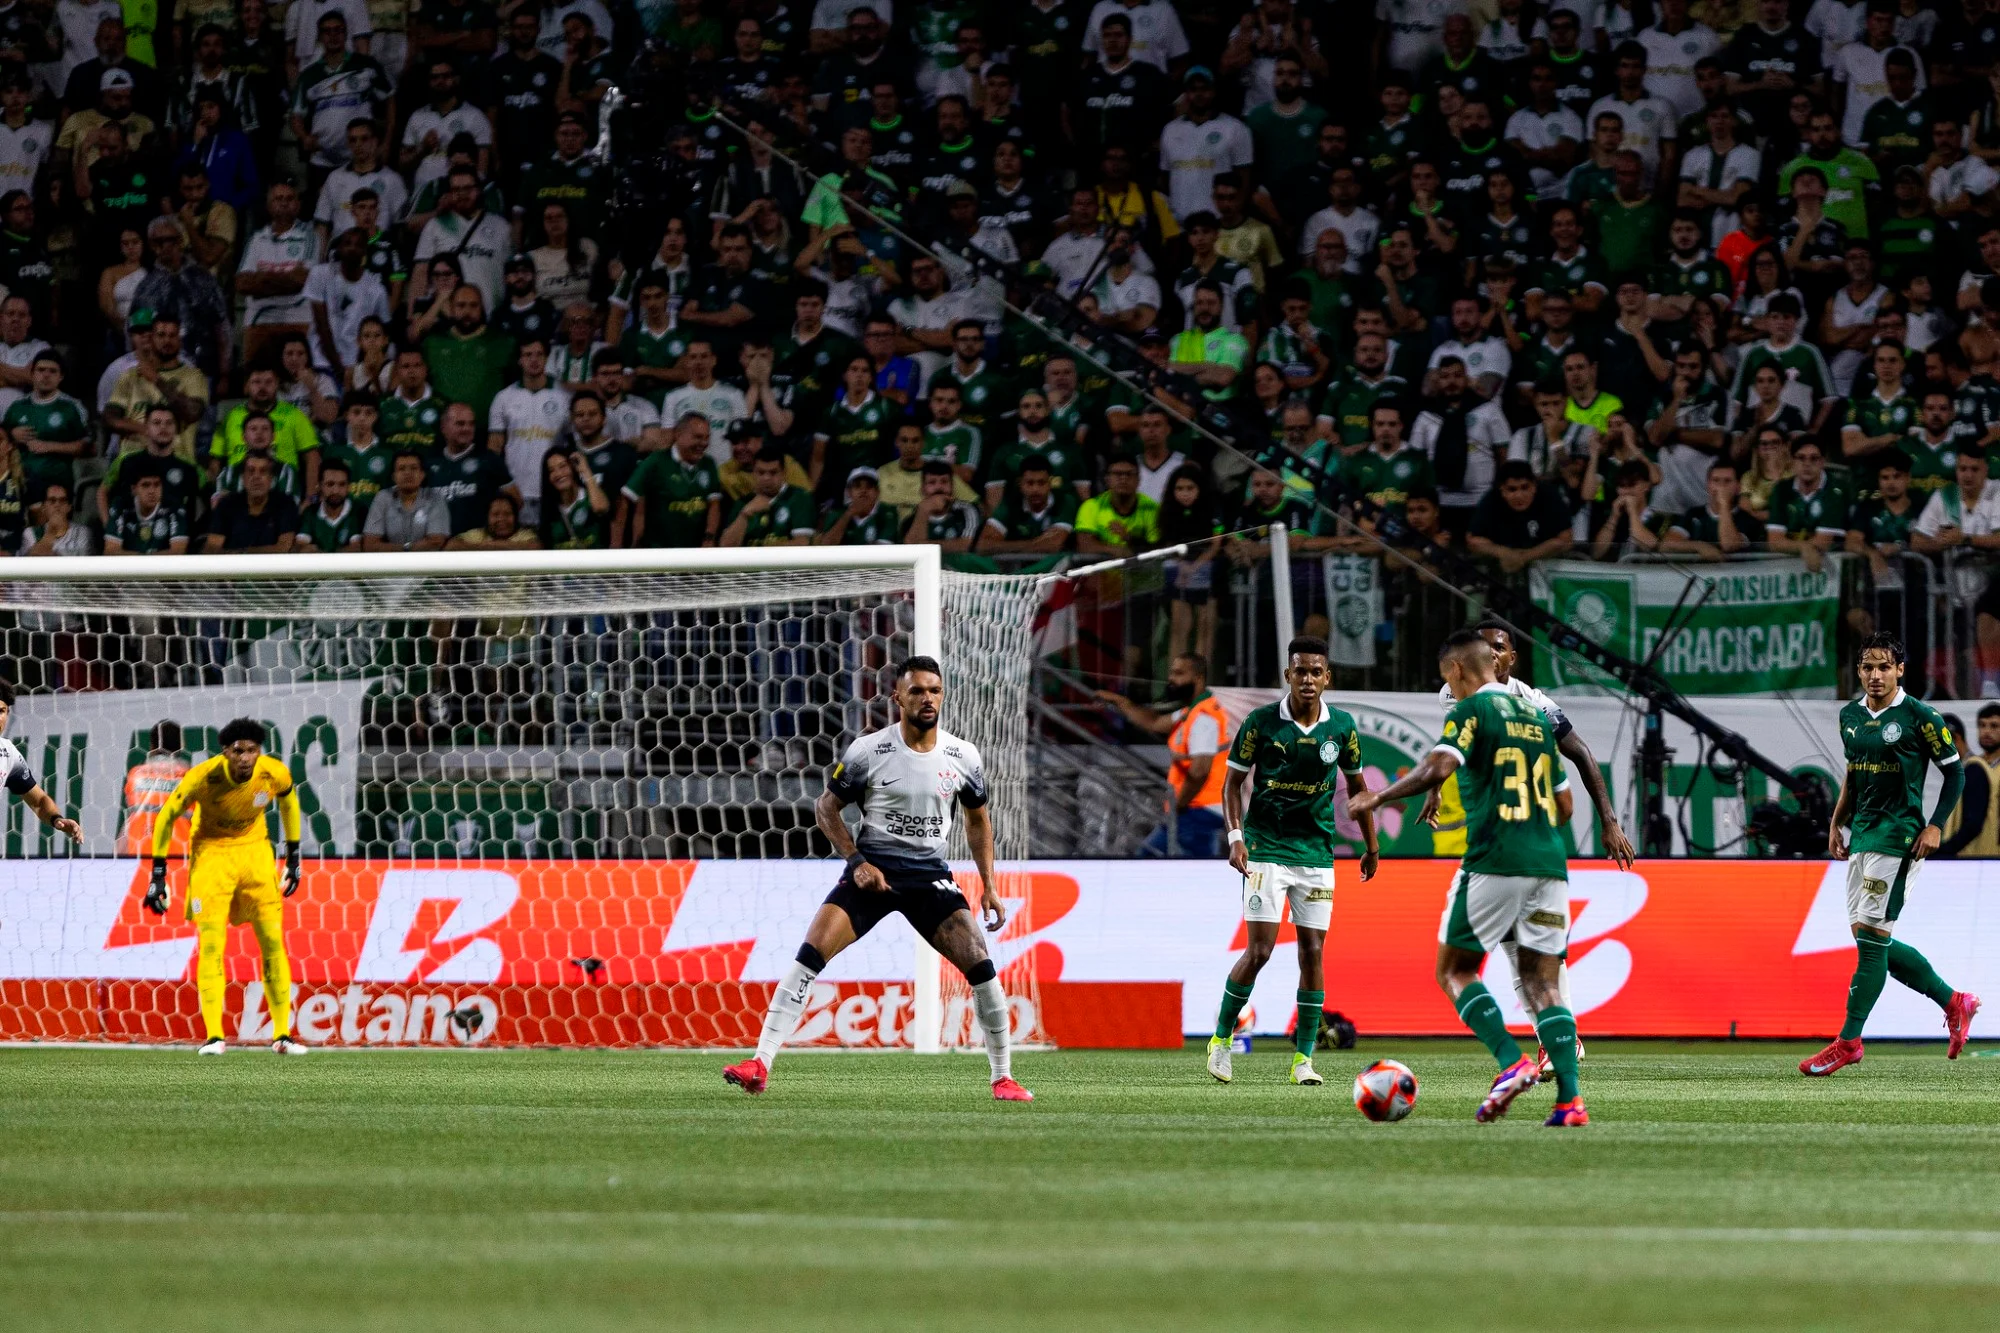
(1385, 1091)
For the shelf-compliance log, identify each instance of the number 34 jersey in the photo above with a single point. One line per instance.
(1508, 774)
(907, 796)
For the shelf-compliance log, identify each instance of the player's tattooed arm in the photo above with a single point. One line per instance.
(1616, 845)
(979, 837)
(826, 814)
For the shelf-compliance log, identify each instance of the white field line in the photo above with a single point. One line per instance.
(1699, 1235)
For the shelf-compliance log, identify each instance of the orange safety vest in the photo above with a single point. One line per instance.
(1206, 705)
(147, 787)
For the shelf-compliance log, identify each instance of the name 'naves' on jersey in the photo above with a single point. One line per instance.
(906, 798)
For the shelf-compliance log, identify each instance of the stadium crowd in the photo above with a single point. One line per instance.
(1585, 280)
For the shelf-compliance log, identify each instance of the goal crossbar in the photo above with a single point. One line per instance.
(923, 562)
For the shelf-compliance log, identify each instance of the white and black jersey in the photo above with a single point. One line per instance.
(21, 779)
(907, 797)
(1522, 690)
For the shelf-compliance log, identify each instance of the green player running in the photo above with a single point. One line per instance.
(1513, 884)
(1283, 844)
(1890, 738)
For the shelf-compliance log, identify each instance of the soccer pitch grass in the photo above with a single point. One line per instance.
(504, 1190)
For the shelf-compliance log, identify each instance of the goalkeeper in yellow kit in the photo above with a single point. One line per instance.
(232, 874)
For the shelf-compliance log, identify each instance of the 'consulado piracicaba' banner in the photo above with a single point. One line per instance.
(1101, 952)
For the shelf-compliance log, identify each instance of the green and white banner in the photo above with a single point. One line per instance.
(1353, 608)
(84, 745)
(1762, 627)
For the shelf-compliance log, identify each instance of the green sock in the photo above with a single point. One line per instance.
(1234, 996)
(1915, 971)
(1478, 1010)
(1556, 1026)
(1871, 973)
(1307, 1036)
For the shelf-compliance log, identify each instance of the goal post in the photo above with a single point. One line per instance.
(575, 787)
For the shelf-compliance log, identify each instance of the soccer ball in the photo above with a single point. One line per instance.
(1246, 1022)
(1386, 1090)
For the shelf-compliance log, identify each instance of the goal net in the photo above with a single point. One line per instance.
(549, 798)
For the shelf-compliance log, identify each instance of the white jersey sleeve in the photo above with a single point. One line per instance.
(20, 778)
(907, 796)
(1520, 689)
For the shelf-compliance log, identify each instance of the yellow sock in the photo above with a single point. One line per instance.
(209, 982)
(270, 930)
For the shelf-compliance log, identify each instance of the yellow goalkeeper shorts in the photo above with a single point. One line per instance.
(232, 885)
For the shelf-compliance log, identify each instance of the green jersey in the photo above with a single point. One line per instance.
(1886, 755)
(1285, 348)
(1287, 147)
(333, 532)
(612, 462)
(467, 484)
(1800, 357)
(857, 436)
(1290, 818)
(1907, 244)
(1391, 148)
(1702, 524)
(407, 425)
(1704, 278)
(1898, 134)
(879, 528)
(957, 444)
(1880, 525)
(367, 469)
(1848, 174)
(1570, 276)
(60, 420)
(660, 351)
(1067, 462)
(1508, 775)
(1350, 402)
(1018, 523)
(790, 514)
(676, 497)
(289, 481)
(1873, 415)
(1934, 466)
(1387, 480)
(1629, 235)
(574, 526)
(983, 396)
(1801, 516)
(146, 535)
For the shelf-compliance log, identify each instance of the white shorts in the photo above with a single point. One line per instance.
(1309, 889)
(1484, 911)
(1874, 897)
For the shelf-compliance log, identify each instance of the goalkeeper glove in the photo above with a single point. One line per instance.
(156, 896)
(292, 870)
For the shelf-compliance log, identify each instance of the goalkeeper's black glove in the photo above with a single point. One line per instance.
(156, 896)
(292, 870)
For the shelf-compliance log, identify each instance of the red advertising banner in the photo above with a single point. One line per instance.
(684, 953)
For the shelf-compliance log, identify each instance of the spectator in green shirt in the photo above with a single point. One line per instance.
(1808, 509)
(1209, 353)
(1118, 521)
(776, 514)
(469, 361)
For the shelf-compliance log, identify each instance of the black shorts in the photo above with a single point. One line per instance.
(926, 898)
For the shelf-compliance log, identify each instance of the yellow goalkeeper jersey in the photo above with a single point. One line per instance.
(226, 812)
